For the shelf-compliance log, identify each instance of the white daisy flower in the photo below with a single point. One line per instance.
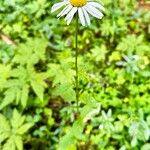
(82, 7)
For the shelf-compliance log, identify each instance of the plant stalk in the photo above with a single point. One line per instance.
(76, 64)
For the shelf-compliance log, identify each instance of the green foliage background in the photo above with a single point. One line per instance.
(37, 98)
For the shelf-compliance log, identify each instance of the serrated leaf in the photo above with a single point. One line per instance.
(77, 128)
(4, 128)
(38, 89)
(4, 75)
(4, 136)
(24, 95)
(17, 116)
(65, 91)
(5, 71)
(31, 52)
(98, 53)
(66, 142)
(9, 145)
(24, 128)
(9, 97)
(18, 142)
(4, 125)
(74, 133)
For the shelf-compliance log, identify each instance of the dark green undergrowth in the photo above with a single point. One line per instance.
(37, 84)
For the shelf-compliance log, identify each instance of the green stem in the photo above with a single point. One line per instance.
(76, 64)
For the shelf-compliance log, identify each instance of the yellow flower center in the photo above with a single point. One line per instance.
(78, 3)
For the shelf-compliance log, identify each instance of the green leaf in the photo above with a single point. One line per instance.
(4, 74)
(4, 125)
(4, 128)
(77, 129)
(5, 71)
(134, 142)
(9, 97)
(24, 128)
(17, 116)
(146, 146)
(4, 136)
(24, 95)
(31, 52)
(11, 134)
(9, 145)
(65, 91)
(38, 89)
(66, 142)
(19, 143)
(98, 53)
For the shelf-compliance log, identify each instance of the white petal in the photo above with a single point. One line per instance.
(65, 10)
(71, 13)
(69, 20)
(81, 16)
(93, 11)
(98, 13)
(97, 5)
(98, 1)
(86, 16)
(57, 6)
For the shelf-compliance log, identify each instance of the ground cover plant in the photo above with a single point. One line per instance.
(37, 78)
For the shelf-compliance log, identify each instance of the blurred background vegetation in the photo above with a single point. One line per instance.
(37, 98)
